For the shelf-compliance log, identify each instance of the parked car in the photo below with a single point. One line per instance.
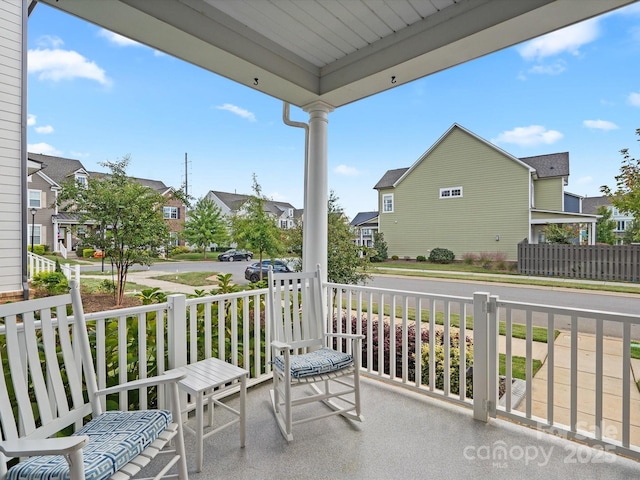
(232, 255)
(252, 272)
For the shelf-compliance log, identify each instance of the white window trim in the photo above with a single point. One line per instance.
(39, 192)
(447, 192)
(167, 212)
(385, 196)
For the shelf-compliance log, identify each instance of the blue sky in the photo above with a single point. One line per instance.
(94, 96)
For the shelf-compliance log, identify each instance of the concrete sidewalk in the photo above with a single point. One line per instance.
(612, 386)
(144, 277)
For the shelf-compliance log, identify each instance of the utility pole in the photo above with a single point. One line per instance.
(186, 181)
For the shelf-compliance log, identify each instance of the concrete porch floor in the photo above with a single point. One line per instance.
(405, 435)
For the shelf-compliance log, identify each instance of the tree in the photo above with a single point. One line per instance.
(631, 233)
(344, 264)
(380, 247)
(605, 226)
(555, 233)
(626, 197)
(127, 218)
(254, 228)
(205, 225)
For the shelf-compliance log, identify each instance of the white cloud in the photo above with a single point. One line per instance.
(60, 65)
(555, 68)
(49, 41)
(600, 124)
(43, 148)
(241, 112)
(79, 154)
(117, 39)
(44, 129)
(634, 99)
(529, 136)
(31, 120)
(346, 170)
(567, 40)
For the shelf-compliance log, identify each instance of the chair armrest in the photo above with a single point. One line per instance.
(30, 447)
(352, 336)
(171, 377)
(280, 345)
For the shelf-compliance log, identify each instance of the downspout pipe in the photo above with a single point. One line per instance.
(24, 162)
(305, 126)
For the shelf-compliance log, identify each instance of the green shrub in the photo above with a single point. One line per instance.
(441, 255)
(177, 250)
(394, 257)
(107, 286)
(50, 283)
(88, 252)
(454, 364)
(421, 258)
(79, 250)
(37, 249)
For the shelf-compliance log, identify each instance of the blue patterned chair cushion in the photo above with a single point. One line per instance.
(115, 438)
(324, 360)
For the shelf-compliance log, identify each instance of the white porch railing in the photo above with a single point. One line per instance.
(147, 340)
(578, 398)
(39, 264)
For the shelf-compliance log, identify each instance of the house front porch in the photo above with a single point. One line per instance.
(405, 435)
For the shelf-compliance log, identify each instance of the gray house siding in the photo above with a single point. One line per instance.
(11, 107)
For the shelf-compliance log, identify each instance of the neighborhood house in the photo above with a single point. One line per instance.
(469, 196)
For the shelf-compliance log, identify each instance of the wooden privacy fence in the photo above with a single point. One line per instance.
(595, 262)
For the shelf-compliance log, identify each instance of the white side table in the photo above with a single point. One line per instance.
(205, 380)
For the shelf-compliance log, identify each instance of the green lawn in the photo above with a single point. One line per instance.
(518, 366)
(194, 279)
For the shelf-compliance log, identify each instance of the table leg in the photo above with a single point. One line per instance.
(243, 394)
(199, 429)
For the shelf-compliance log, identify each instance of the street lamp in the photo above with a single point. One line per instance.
(33, 222)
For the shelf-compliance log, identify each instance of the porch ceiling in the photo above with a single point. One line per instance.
(335, 51)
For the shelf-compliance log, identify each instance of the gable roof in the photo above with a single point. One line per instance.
(551, 165)
(157, 185)
(390, 178)
(234, 202)
(58, 169)
(591, 204)
(393, 177)
(363, 217)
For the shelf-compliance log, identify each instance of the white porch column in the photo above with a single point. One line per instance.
(592, 233)
(314, 248)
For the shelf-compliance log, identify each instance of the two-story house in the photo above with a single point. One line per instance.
(230, 203)
(364, 225)
(470, 196)
(623, 220)
(61, 230)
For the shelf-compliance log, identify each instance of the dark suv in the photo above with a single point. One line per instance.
(233, 254)
(252, 272)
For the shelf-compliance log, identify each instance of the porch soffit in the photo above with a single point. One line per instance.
(330, 51)
(540, 217)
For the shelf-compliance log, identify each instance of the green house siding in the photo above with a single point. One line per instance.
(494, 202)
(548, 194)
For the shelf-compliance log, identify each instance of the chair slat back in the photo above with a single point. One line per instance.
(46, 376)
(296, 308)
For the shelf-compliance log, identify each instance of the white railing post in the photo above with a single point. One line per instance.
(177, 330)
(481, 403)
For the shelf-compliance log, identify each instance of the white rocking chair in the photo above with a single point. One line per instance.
(302, 354)
(48, 383)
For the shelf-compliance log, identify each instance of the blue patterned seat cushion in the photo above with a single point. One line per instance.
(115, 439)
(324, 360)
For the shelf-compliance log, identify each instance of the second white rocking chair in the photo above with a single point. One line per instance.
(302, 353)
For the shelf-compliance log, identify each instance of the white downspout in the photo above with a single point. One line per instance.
(305, 126)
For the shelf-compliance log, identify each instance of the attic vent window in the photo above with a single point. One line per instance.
(451, 192)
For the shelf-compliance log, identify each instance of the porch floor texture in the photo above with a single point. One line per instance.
(405, 436)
